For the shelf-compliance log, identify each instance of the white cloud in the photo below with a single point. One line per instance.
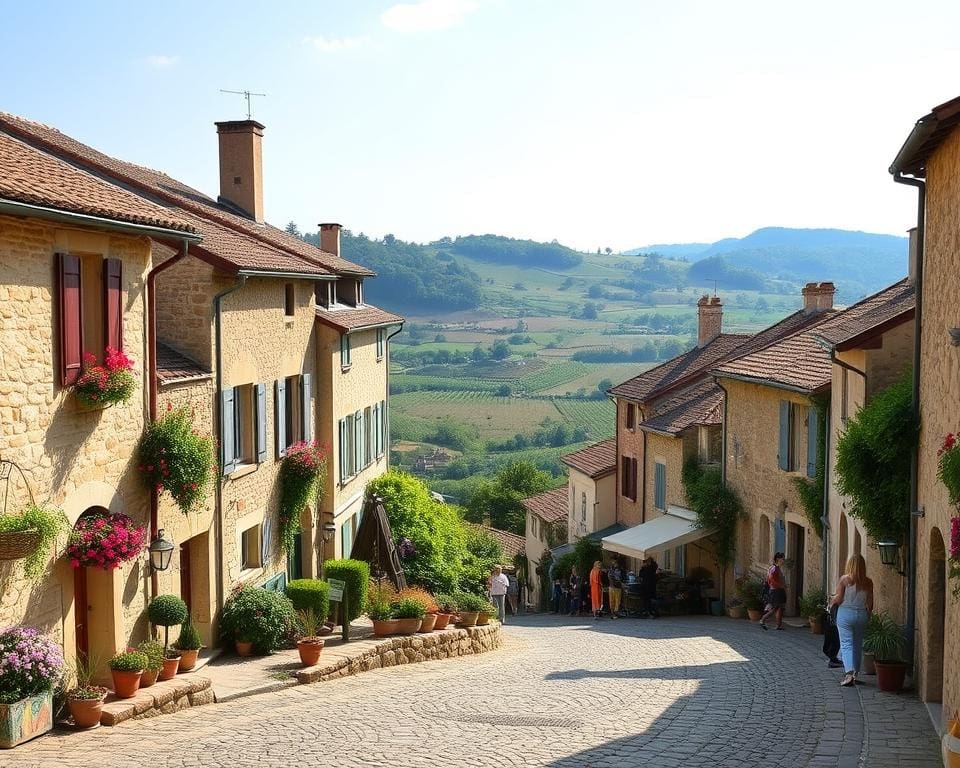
(336, 44)
(427, 15)
(160, 61)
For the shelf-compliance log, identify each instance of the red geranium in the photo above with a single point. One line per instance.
(104, 540)
(106, 384)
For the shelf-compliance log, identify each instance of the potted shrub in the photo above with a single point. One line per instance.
(310, 595)
(309, 644)
(173, 456)
(32, 666)
(100, 386)
(153, 650)
(469, 606)
(489, 611)
(167, 611)
(447, 607)
(736, 609)
(262, 618)
(812, 607)
(104, 540)
(885, 640)
(85, 700)
(868, 666)
(189, 645)
(750, 591)
(126, 669)
(380, 613)
(409, 614)
(29, 535)
(425, 599)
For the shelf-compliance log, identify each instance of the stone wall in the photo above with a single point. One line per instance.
(672, 452)
(629, 443)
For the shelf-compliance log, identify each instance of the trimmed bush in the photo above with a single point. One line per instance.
(356, 575)
(167, 611)
(469, 602)
(310, 595)
(189, 639)
(153, 650)
(408, 608)
(131, 661)
(266, 619)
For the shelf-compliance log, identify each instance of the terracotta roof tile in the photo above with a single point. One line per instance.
(173, 367)
(348, 319)
(512, 543)
(28, 175)
(549, 506)
(698, 404)
(595, 460)
(873, 313)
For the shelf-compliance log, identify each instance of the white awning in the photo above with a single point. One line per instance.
(677, 527)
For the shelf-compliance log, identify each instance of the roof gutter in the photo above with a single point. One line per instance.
(921, 132)
(770, 383)
(245, 273)
(14, 208)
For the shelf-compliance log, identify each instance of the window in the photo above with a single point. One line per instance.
(543, 530)
(680, 561)
(378, 432)
(292, 412)
(533, 526)
(243, 426)
(660, 486)
(628, 477)
(349, 291)
(346, 449)
(289, 300)
(344, 350)
(244, 418)
(667, 559)
(795, 420)
(325, 293)
(583, 505)
(631, 416)
(346, 538)
(710, 444)
(358, 435)
(844, 395)
(250, 552)
(381, 337)
(368, 432)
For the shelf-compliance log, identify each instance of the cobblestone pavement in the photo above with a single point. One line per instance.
(691, 691)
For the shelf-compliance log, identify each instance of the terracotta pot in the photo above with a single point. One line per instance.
(188, 659)
(85, 712)
(755, 615)
(816, 625)
(149, 677)
(169, 669)
(737, 612)
(467, 619)
(243, 648)
(890, 675)
(125, 684)
(408, 626)
(442, 620)
(309, 651)
(869, 668)
(384, 627)
(428, 623)
(484, 618)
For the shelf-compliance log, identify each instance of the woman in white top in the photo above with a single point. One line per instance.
(854, 596)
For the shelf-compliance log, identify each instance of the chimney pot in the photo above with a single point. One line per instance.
(709, 319)
(241, 165)
(330, 238)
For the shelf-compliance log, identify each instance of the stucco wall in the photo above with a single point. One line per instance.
(672, 452)
(629, 443)
(600, 507)
(184, 304)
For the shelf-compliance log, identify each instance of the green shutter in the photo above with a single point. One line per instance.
(227, 457)
(261, 393)
(280, 415)
(660, 486)
(813, 447)
(305, 412)
(783, 456)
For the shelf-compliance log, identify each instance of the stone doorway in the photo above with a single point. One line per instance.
(936, 609)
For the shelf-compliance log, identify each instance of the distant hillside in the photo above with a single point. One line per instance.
(507, 250)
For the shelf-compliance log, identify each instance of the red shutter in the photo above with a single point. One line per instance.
(113, 303)
(71, 318)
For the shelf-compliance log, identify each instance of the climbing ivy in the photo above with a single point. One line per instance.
(811, 491)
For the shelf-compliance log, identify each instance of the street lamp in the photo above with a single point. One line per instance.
(161, 550)
(888, 551)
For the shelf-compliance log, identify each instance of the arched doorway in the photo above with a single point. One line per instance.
(936, 608)
(857, 543)
(843, 545)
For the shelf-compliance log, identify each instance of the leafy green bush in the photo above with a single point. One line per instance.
(189, 639)
(310, 595)
(407, 608)
(489, 608)
(356, 575)
(167, 611)
(813, 602)
(266, 619)
(884, 638)
(173, 456)
(447, 603)
(483, 552)
(469, 602)
(130, 661)
(48, 522)
(717, 507)
(750, 591)
(153, 650)
(301, 481)
(564, 565)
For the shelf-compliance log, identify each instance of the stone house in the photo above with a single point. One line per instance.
(546, 529)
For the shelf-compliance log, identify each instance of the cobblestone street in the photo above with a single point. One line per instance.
(690, 691)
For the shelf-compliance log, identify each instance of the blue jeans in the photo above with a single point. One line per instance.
(499, 600)
(850, 623)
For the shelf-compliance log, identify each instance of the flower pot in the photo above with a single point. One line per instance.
(169, 668)
(716, 608)
(25, 719)
(816, 624)
(15, 545)
(188, 659)
(869, 668)
(384, 627)
(243, 647)
(428, 623)
(484, 618)
(951, 751)
(890, 675)
(149, 677)
(754, 614)
(442, 620)
(737, 612)
(408, 626)
(125, 684)
(309, 650)
(85, 712)
(467, 619)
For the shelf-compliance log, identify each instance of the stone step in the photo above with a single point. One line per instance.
(161, 698)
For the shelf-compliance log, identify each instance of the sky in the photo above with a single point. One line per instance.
(598, 123)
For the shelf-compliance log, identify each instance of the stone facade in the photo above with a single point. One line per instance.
(629, 444)
(591, 503)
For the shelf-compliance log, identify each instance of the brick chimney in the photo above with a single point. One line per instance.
(818, 297)
(912, 257)
(241, 165)
(330, 238)
(709, 319)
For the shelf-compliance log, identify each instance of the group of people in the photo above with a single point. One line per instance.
(600, 592)
(846, 615)
(503, 589)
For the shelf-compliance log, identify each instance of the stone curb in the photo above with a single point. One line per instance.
(159, 699)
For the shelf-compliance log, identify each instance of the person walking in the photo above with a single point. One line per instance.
(616, 588)
(513, 593)
(557, 598)
(574, 606)
(831, 638)
(648, 588)
(498, 591)
(596, 590)
(854, 598)
(777, 596)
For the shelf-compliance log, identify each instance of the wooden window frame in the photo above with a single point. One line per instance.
(251, 548)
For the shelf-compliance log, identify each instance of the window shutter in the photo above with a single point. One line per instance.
(358, 441)
(227, 457)
(113, 303)
(305, 412)
(783, 457)
(660, 486)
(280, 415)
(813, 422)
(342, 449)
(384, 436)
(71, 318)
(265, 532)
(261, 422)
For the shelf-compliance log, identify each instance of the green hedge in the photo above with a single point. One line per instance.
(356, 575)
(310, 594)
(266, 619)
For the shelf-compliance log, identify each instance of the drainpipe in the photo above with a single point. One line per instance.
(218, 487)
(152, 386)
(915, 511)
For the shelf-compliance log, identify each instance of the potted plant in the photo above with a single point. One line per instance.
(104, 385)
(189, 645)
(126, 669)
(104, 540)
(469, 606)
(381, 615)
(812, 607)
(736, 609)
(31, 666)
(750, 591)
(254, 615)
(153, 650)
(425, 599)
(173, 456)
(487, 612)
(884, 637)
(447, 608)
(409, 614)
(85, 700)
(309, 644)
(869, 668)
(29, 535)
(167, 611)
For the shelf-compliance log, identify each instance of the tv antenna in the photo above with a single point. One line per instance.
(247, 95)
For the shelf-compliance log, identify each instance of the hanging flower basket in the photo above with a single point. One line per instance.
(104, 541)
(104, 385)
(29, 534)
(948, 472)
(15, 545)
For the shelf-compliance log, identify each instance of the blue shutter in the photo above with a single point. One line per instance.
(358, 441)
(384, 435)
(779, 536)
(265, 532)
(261, 422)
(783, 456)
(375, 430)
(660, 486)
(305, 413)
(227, 458)
(342, 449)
(280, 415)
(813, 422)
